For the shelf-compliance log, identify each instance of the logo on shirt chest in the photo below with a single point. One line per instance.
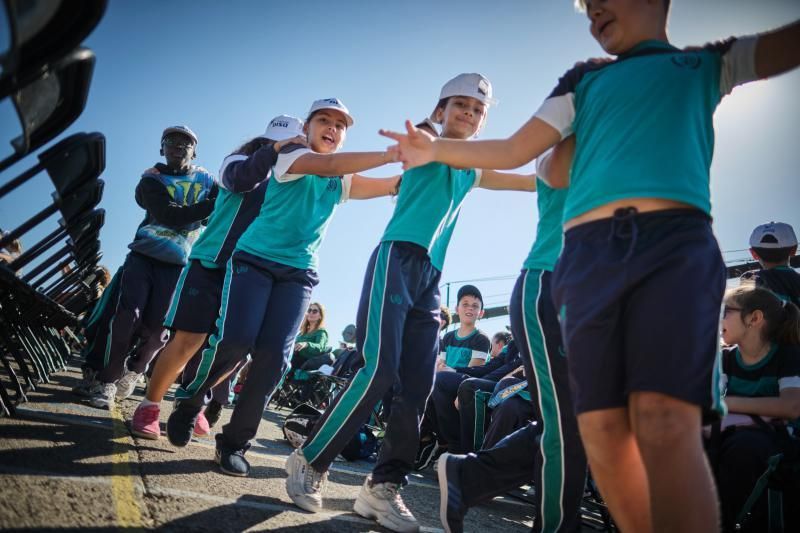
(331, 185)
(688, 61)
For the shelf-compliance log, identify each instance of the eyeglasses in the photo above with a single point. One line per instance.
(312, 311)
(173, 143)
(726, 309)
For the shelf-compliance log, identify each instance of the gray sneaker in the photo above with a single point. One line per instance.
(104, 398)
(304, 484)
(382, 502)
(127, 384)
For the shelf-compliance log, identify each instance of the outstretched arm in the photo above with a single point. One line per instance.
(363, 188)
(507, 181)
(553, 167)
(416, 147)
(778, 51)
(339, 164)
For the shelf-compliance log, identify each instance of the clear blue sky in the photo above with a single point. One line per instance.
(226, 68)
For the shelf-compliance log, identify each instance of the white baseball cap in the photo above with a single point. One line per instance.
(773, 235)
(183, 130)
(470, 84)
(332, 103)
(283, 127)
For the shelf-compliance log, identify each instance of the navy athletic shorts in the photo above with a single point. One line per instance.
(639, 298)
(195, 303)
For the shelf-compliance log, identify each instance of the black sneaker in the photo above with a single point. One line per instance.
(231, 460)
(213, 412)
(451, 505)
(180, 424)
(427, 454)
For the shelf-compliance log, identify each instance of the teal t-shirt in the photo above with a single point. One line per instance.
(427, 207)
(234, 211)
(643, 123)
(549, 233)
(209, 244)
(457, 351)
(295, 215)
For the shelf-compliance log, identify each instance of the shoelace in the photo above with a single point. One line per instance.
(393, 491)
(314, 481)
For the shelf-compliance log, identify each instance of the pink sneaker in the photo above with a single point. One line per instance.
(145, 422)
(201, 427)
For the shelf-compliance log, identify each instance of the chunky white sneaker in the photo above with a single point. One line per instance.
(127, 384)
(304, 484)
(104, 398)
(382, 502)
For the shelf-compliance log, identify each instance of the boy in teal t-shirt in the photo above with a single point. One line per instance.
(466, 346)
(637, 217)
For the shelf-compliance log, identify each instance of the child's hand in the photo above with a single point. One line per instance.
(414, 148)
(151, 170)
(299, 346)
(300, 139)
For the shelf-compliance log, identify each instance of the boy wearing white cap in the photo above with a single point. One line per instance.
(398, 319)
(773, 245)
(270, 276)
(637, 215)
(176, 196)
(193, 311)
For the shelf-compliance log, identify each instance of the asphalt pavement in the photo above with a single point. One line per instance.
(67, 466)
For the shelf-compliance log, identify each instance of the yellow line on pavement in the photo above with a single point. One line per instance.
(126, 503)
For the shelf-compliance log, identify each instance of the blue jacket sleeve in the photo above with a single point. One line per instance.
(243, 175)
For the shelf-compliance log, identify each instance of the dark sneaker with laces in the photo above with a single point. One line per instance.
(231, 460)
(213, 412)
(427, 454)
(451, 504)
(180, 424)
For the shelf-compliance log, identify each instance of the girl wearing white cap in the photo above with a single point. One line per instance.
(195, 304)
(271, 273)
(398, 319)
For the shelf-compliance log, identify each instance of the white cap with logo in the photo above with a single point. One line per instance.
(773, 235)
(283, 127)
(332, 103)
(470, 84)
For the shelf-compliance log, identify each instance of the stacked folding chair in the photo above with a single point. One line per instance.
(43, 291)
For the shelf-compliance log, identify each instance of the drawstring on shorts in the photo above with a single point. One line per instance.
(624, 227)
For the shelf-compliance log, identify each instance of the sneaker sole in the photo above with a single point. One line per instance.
(103, 405)
(364, 509)
(145, 435)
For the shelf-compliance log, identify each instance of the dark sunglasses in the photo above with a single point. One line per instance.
(173, 143)
(312, 311)
(727, 308)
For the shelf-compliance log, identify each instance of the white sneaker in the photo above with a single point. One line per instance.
(104, 398)
(382, 502)
(127, 384)
(304, 484)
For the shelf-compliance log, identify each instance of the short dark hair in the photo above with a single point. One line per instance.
(502, 336)
(774, 255)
